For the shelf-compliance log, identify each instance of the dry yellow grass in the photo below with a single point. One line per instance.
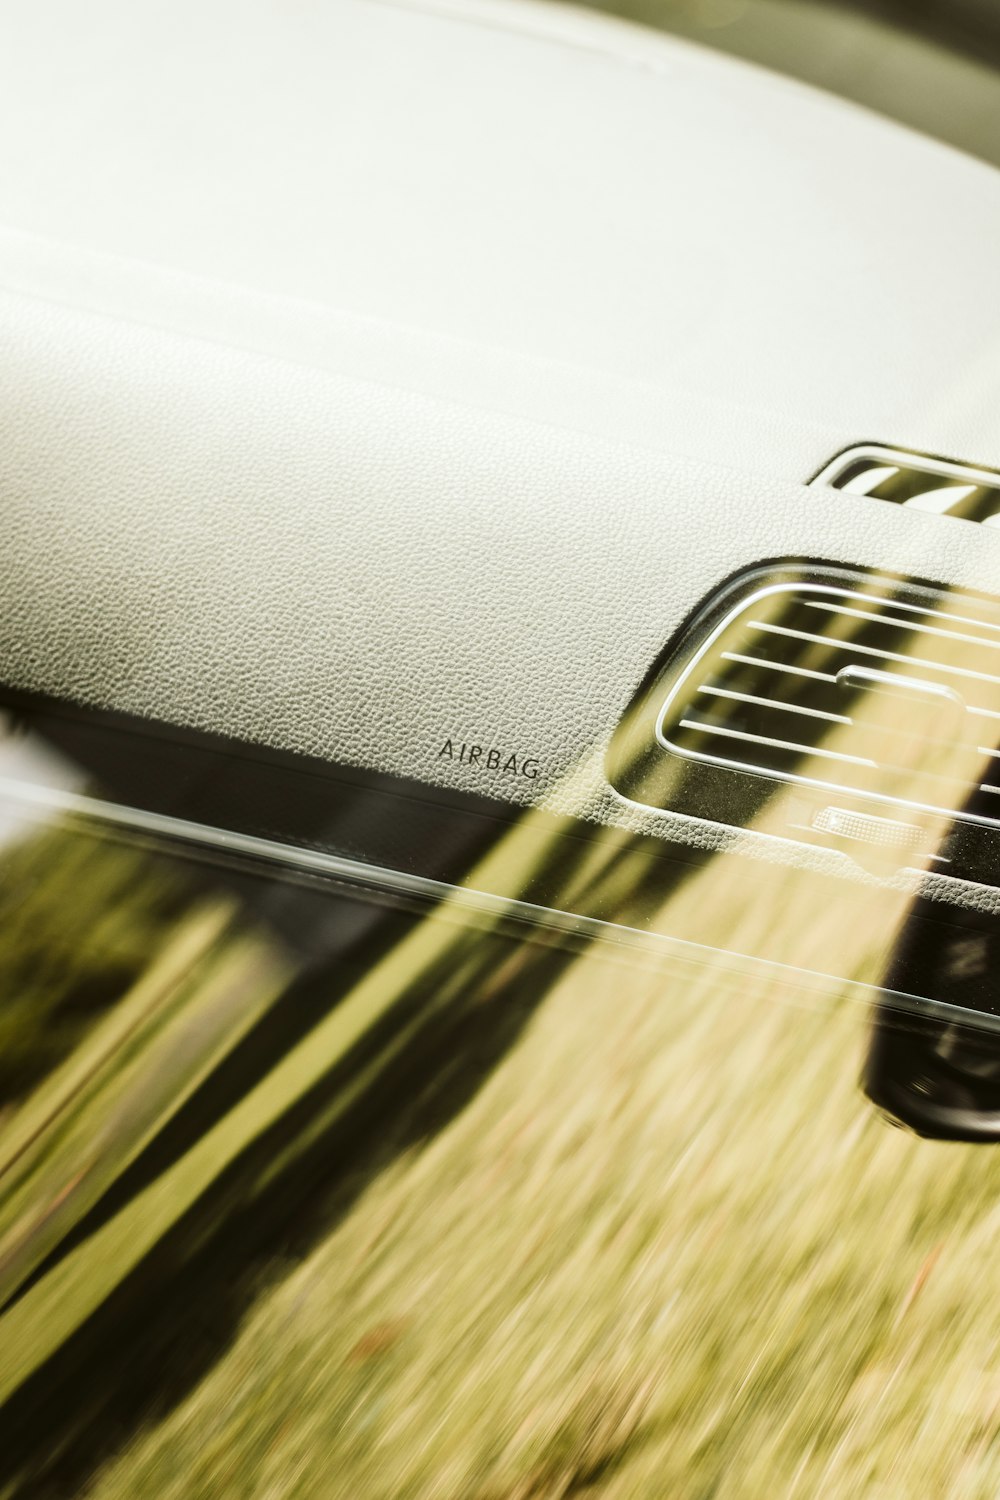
(667, 1250)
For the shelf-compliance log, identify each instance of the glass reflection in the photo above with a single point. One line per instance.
(540, 1168)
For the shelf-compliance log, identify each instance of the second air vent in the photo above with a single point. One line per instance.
(916, 482)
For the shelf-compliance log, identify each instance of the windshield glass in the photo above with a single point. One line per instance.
(339, 1117)
(499, 753)
(933, 66)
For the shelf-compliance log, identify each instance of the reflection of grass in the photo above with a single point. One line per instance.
(73, 1139)
(89, 1148)
(666, 1250)
(78, 926)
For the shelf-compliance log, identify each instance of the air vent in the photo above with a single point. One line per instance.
(917, 482)
(877, 699)
(845, 688)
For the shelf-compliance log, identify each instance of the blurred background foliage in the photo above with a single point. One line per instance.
(931, 65)
(79, 928)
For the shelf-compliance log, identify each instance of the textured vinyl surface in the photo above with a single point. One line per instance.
(225, 541)
(748, 271)
(348, 431)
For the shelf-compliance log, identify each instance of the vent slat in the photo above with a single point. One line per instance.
(763, 716)
(832, 643)
(845, 611)
(886, 749)
(924, 609)
(770, 693)
(761, 739)
(775, 703)
(779, 666)
(704, 731)
(787, 669)
(883, 742)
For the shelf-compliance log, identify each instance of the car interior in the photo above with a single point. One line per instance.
(499, 867)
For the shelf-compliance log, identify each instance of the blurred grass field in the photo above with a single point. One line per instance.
(647, 1240)
(665, 1248)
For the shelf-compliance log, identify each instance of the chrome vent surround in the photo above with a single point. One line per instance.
(873, 701)
(847, 689)
(916, 482)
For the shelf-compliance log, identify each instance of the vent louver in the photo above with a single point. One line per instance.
(878, 698)
(917, 482)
